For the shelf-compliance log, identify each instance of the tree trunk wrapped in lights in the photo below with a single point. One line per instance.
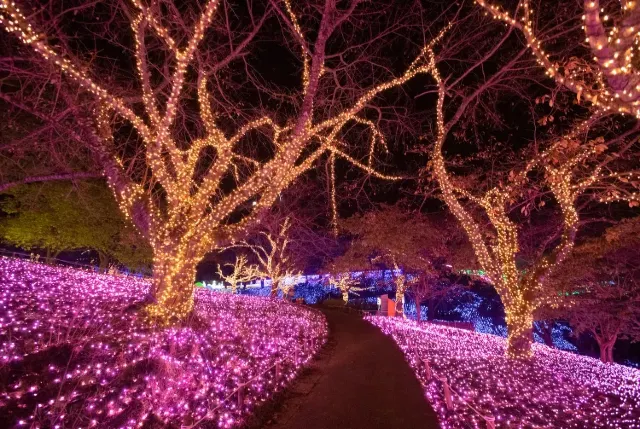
(568, 173)
(186, 210)
(170, 274)
(401, 285)
(241, 272)
(273, 258)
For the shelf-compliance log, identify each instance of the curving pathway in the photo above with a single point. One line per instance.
(360, 381)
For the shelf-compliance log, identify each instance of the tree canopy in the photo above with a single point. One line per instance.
(601, 286)
(64, 216)
(392, 237)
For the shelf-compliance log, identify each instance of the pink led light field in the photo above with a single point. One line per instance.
(73, 354)
(556, 389)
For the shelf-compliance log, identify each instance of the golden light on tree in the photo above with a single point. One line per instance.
(274, 260)
(183, 211)
(345, 284)
(402, 283)
(615, 79)
(568, 173)
(241, 272)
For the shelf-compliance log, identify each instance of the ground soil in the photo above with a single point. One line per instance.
(360, 380)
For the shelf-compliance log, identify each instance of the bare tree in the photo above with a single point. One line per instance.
(492, 193)
(191, 175)
(241, 272)
(273, 257)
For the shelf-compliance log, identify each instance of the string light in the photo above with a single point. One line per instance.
(274, 260)
(305, 57)
(334, 205)
(555, 389)
(616, 86)
(402, 282)
(521, 294)
(241, 272)
(175, 232)
(345, 284)
(121, 372)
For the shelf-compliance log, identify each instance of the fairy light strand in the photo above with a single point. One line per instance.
(175, 232)
(554, 389)
(122, 372)
(520, 294)
(621, 92)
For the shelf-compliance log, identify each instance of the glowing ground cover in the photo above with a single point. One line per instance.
(556, 389)
(73, 354)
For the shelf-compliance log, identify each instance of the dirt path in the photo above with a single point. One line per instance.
(360, 381)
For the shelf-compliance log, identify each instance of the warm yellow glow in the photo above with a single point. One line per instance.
(345, 284)
(241, 272)
(274, 259)
(189, 225)
(614, 58)
(521, 294)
